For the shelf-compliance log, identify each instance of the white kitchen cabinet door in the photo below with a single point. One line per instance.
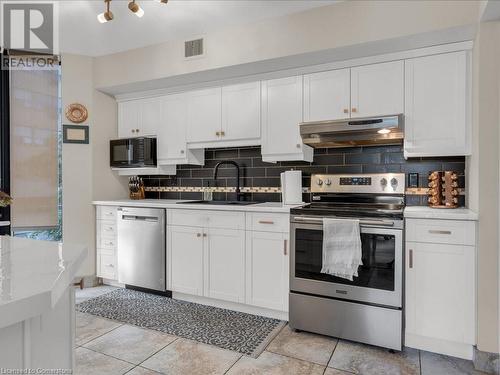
(204, 111)
(128, 118)
(440, 283)
(377, 89)
(225, 264)
(185, 259)
(241, 112)
(172, 132)
(327, 95)
(437, 105)
(171, 138)
(150, 116)
(267, 270)
(281, 116)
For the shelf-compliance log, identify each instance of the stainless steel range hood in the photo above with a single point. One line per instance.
(368, 131)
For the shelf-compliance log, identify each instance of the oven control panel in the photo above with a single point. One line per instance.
(383, 183)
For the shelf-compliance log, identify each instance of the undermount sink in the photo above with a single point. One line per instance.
(218, 203)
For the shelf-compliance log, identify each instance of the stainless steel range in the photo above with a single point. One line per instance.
(369, 308)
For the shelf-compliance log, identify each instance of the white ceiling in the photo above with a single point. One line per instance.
(81, 33)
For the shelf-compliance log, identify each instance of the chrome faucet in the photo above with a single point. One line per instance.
(216, 170)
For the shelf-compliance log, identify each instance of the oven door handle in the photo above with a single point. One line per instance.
(385, 223)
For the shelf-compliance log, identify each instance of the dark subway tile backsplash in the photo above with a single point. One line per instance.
(257, 173)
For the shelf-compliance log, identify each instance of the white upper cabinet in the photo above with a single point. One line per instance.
(204, 120)
(150, 116)
(281, 115)
(437, 105)
(377, 89)
(128, 118)
(241, 113)
(172, 147)
(327, 95)
(138, 118)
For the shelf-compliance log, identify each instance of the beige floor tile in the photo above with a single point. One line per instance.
(371, 360)
(89, 362)
(192, 358)
(142, 371)
(437, 364)
(88, 327)
(331, 371)
(130, 343)
(302, 345)
(274, 364)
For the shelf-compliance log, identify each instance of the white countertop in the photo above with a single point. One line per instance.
(422, 212)
(34, 275)
(172, 203)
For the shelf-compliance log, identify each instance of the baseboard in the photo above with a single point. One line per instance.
(282, 315)
(486, 362)
(454, 349)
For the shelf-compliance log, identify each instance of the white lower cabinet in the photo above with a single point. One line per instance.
(185, 257)
(226, 260)
(106, 260)
(225, 265)
(440, 289)
(267, 270)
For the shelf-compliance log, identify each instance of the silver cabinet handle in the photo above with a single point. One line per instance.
(432, 231)
(182, 151)
(110, 265)
(266, 222)
(204, 234)
(411, 258)
(198, 234)
(285, 247)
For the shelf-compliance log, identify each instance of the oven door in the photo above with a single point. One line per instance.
(379, 280)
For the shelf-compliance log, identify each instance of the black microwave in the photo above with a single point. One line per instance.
(133, 152)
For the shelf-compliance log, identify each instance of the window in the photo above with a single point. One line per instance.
(35, 153)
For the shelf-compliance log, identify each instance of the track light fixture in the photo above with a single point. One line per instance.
(136, 9)
(107, 15)
(132, 5)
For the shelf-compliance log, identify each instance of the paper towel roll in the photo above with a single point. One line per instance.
(291, 187)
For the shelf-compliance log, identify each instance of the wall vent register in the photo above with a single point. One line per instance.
(193, 48)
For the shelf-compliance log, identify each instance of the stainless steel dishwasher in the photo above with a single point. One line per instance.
(141, 248)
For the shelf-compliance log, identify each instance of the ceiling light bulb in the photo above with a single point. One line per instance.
(136, 9)
(105, 17)
(384, 131)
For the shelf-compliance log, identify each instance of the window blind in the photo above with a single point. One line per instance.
(34, 124)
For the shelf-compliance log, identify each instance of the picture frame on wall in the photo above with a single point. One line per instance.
(76, 134)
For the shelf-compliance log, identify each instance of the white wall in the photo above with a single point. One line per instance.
(342, 24)
(86, 172)
(77, 87)
(484, 177)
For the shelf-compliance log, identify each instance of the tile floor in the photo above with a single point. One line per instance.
(107, 347)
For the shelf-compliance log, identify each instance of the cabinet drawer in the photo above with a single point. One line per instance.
(107, 266)
(106, 213)
(266, 222)
(210, 219)
(441, 231)
(106, 229)
(107, 243)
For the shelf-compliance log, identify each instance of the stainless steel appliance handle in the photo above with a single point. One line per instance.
(139, 218)
(386, 223)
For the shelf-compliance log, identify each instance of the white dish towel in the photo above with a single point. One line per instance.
(341, 247)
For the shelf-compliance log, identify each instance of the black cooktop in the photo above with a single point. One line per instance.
(353, 205)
